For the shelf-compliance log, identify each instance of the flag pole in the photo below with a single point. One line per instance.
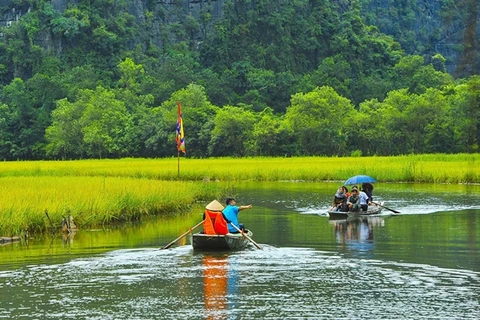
(180, 138)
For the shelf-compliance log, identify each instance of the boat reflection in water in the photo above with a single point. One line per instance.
(220, 286)
(357, 234)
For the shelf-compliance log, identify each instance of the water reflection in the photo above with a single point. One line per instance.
(215, 281)
(357, 233)
(67, 238)
(220, 285)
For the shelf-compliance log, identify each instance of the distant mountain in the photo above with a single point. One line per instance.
(427, 27)
(422, 27)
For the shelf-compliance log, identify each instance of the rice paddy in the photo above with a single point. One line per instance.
(103, 192)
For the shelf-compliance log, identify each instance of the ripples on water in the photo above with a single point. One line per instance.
(405, 206)
(332, 277)
(273, 283)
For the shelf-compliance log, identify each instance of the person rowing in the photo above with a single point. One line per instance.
(231, 214)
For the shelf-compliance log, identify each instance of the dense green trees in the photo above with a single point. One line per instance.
(97, 124)
(272, 79)
(465, 113)
(319, 119)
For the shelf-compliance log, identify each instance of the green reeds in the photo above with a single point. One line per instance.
(435, 168)
(101, 192)
(92, 201)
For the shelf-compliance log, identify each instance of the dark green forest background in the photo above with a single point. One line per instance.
(101, 79)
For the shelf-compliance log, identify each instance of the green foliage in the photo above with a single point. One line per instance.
(198, 119)
(22, 122)
(131, 75)
(438, 62)
(271, 136)
(407, 123)
(412, 73)
(7, 119)
(64, 135)
(318, 119)
(427, 28)
(465, 114)
(334, 72)
(97, 124)
(232, 132)
(357, 153)
(107, 125)
(68, 27)
(272, 79)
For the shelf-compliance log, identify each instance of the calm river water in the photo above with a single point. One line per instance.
(421, 264)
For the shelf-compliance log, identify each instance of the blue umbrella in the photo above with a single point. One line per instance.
(359, 180)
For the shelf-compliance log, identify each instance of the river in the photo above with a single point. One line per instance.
(421, 264)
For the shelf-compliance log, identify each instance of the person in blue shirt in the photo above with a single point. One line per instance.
(231, 214)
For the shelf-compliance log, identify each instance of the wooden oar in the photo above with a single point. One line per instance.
(378, 204)
(183, 235)
(245, 235)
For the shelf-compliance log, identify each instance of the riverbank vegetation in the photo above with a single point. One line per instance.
(101, 79)
(431, 168)
(104, 192)
(93, 201)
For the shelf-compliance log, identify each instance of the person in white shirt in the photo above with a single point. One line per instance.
(364, 200)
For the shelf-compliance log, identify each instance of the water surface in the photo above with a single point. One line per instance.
(421, 264)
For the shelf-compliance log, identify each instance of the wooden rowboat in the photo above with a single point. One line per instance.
(217, 242)
(372, 210)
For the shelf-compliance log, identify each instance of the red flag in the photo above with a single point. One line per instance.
(179, 134)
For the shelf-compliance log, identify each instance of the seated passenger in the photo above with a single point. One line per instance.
(368, 189)
(345, 189)
(364, 200)
(339, 200)
(353, 201)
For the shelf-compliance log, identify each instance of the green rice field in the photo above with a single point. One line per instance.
(103, 192)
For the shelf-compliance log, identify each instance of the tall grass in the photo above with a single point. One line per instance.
(99, 192)
(92, 201)
(436, 168)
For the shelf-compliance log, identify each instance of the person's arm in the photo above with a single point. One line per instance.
(244, 207)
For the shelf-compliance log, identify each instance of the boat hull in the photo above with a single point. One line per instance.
(372, 210)
(230, 241)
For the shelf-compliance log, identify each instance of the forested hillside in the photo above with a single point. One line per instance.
(427, 27)
(102, 78)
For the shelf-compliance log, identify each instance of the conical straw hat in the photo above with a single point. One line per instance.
(214, 206)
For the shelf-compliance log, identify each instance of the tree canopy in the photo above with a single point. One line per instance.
(272, 79)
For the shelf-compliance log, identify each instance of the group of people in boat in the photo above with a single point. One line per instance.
(354, 200)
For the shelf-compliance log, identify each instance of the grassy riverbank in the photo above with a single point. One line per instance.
(100, 192)
(92, 201)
